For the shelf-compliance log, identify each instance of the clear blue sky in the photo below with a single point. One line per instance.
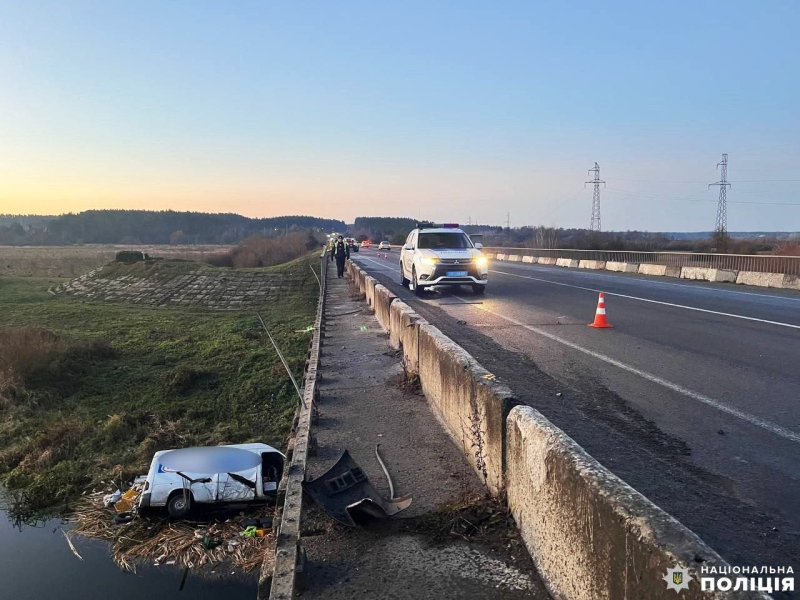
(431, 109)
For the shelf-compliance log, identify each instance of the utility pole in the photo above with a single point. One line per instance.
(594, 226)
(721, 228)
(508, 220)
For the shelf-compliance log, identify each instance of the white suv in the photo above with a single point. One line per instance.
(442, 256)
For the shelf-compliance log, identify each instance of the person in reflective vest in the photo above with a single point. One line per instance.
(340, 253)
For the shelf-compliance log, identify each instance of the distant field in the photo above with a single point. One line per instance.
(71, 261)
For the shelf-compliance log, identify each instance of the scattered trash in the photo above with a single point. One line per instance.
(71, 545)
(184, 543)
(110, 499)
(558, 394)
(128, 500)
(345, 493)
(363, 328)
(250, 532)
(721, 432)
(490, 377)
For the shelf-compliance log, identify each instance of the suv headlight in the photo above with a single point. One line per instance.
(427, 260)
(480, 261)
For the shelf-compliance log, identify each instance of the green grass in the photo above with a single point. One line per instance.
(176, 377)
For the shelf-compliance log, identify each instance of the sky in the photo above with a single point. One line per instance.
(450, 111)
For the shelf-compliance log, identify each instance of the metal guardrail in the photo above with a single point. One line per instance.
(736, 262)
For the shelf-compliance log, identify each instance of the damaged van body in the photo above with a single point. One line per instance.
(178, 490)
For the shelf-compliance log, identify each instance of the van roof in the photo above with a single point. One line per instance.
(254, 447)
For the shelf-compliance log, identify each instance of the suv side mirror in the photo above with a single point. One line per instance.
(478, 245)
(408, 247)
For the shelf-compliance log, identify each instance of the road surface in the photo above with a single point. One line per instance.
(693, 398)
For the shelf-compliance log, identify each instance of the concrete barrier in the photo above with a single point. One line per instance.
(791, 282)
(547, 260)
(490, 255)
(515, 258)
(663, 270)
(760, 279)
(568, 262)
(501, 257)
(529, 259)
(704, 274)
(470, 404)
(404, 334)
(369, 290)
(592, 264)
(589, 533)
(622, 267)
(383, 299)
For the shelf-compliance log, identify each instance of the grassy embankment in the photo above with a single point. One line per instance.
(89, 390)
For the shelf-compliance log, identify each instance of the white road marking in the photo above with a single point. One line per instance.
(610, 274)
(704, 310)
(380, 264)
(752, 419)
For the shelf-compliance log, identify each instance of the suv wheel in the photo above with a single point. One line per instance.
(418, 289)
(478, 288)
(403, 278)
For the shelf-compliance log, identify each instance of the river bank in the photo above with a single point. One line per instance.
(115, 381)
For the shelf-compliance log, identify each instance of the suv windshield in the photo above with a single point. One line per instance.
(443, 241)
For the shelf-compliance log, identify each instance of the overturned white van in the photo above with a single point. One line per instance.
(178, 490)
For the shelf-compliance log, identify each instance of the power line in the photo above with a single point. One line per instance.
(721, 227)
(595, 222)
(634, 194)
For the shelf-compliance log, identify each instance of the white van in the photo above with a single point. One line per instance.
(165, 487)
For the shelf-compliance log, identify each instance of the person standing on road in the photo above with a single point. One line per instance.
(340, 253)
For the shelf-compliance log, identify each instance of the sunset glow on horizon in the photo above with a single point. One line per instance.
(448, 112)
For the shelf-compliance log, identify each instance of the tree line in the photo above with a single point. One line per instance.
(151, 227)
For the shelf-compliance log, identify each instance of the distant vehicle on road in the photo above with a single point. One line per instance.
(442, 255)
(165, 487)
(384, 246)
(352, 243)
(366, 244)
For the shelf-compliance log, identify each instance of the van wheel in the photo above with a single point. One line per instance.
(178, 505)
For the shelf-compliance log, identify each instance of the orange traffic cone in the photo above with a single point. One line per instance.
(385, 256)
(600, 321)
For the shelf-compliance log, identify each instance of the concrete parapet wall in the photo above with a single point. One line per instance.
(791, 282)
(590, 534)
(514, 258)
(622, 267)
(501, 256)
(704, 274)
(383, 299)
(760, 279)
(529, 259)
(404, 334)
(592, 264)
(547, 260)
(369, 290)
(568, 262)
(469, 403)
(663, 270)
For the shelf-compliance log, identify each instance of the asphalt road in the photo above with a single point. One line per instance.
(693, 398)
